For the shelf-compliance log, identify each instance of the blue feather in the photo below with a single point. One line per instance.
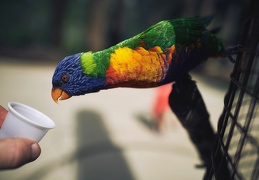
(78, 83)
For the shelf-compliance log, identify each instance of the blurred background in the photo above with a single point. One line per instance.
(111, 134)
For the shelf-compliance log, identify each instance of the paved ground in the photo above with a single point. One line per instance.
(101, 136)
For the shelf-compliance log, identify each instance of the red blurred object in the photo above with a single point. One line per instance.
(161, 104)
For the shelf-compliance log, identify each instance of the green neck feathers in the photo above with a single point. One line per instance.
(94, 64)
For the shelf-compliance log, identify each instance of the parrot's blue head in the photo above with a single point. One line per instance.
(70, 80)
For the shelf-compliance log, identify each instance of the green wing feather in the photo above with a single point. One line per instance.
(179, 32)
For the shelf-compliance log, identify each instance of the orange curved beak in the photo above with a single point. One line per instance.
(58, 94)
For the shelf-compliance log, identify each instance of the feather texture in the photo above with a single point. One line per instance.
(161, 54)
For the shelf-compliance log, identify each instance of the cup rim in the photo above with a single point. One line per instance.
(25, 119)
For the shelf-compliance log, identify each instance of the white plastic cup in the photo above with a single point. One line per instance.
(23, 121)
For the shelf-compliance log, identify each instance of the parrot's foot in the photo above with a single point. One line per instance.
(233, 50)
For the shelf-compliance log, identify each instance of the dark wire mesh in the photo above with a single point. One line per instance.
(236, 154)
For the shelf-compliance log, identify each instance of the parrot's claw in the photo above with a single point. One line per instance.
(233, 50)
(231, 59)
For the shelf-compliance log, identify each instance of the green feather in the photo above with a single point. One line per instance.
(179, 32)
(88, 63)
(164, 34)
(94, 64)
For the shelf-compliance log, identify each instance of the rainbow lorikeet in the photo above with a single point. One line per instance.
(159, 55)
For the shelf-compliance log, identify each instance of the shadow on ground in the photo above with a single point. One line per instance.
(97, 157)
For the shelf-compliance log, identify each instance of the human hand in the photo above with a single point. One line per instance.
(15, 152)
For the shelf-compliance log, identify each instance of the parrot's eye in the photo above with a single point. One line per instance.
(65, 78)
